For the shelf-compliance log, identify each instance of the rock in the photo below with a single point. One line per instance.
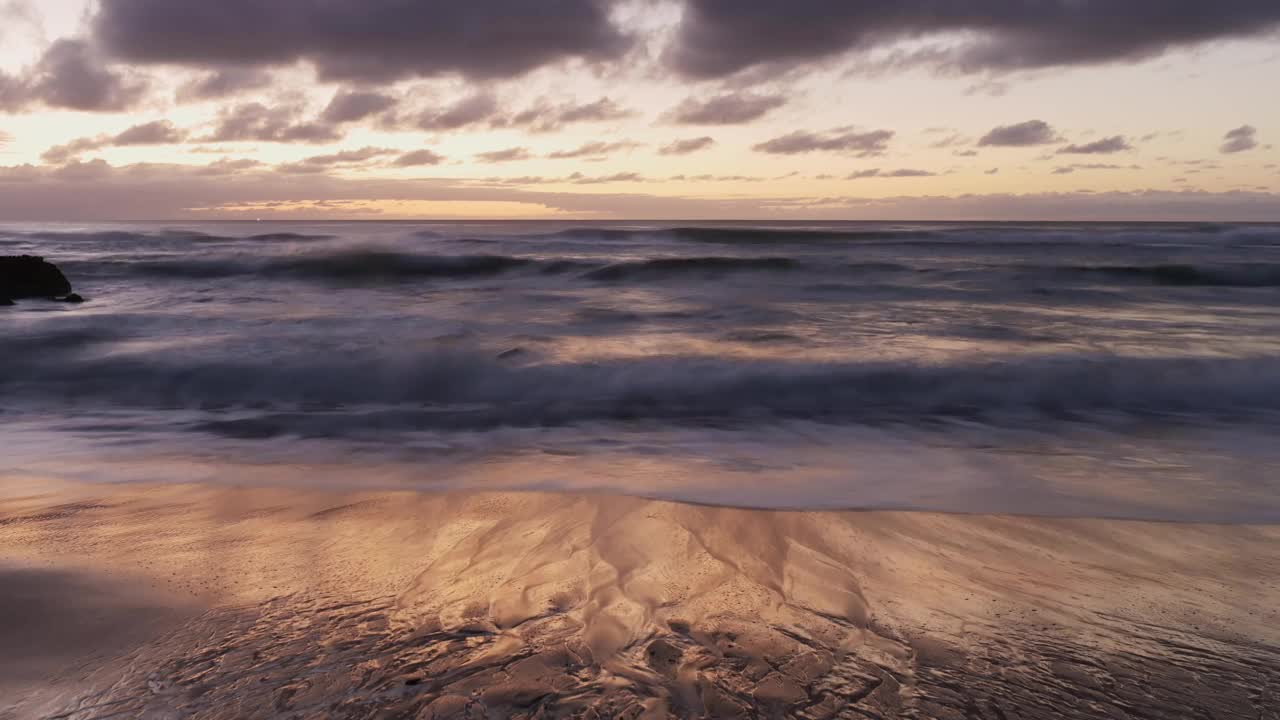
(663, 656)
(5, 302)
(72, 298)
(28, 276)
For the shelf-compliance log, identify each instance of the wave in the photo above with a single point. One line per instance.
(667, 267)
(350, 266)
(364, 266)
(1222, 275)
(108, 237)
(464, 390)
(738, 235)
(942, 235)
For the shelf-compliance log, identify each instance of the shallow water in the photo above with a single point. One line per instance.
(1118, 370)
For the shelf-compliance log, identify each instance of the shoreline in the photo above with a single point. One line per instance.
(439, 605)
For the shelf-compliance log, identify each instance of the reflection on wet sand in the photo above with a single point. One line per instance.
(288, 603)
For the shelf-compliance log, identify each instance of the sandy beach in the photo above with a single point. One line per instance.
(187, 601)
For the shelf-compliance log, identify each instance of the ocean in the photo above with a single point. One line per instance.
(1100, 370)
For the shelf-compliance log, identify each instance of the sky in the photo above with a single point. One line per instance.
(640, 109)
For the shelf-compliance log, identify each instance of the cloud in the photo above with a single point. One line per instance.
(950, 141)
(1068, 169)
(507, 155)
(878, 173)
(71, 76)
(98, 191)
(1105, 146)
(726, 109)
(594, 150)
(718, 38)
(258, 122)
(355, 105)
(367, 40)
(1241, 139)
(1024, 134)
(467, 111)
(418, 158)
(601, 110)
(159, 132)
(687, 147)
(223, 83)
(322, 163)
(841, 140)
(228, 166)
(483, 108)
(580, 179)
(59, 154)
(348, 157)
(549, 117)
(14, 94)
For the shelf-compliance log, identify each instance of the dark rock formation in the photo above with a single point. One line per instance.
(28, 276)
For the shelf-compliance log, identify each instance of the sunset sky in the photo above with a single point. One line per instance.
(596, 109)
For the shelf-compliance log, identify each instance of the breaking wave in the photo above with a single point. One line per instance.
(666, 267)
(459, 390)
(391, 266)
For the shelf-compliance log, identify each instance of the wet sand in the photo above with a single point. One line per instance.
(184, 601)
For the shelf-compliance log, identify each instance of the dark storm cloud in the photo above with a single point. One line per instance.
(354, 105)
(1241, 139)
(418, 158)
(258, 122)
(686, 147)
(727, 109)
(507, 155)
(717, 38)
(878, 173)
(841, 140)
(1105, 146)
(223, 83)
(70, 76)
(373, 40)
(1024, 134)
(594, 150)
(159, 132)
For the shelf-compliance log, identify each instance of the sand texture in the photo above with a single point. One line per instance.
(180, 602)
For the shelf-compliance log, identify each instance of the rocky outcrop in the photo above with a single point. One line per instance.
(28, 276)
